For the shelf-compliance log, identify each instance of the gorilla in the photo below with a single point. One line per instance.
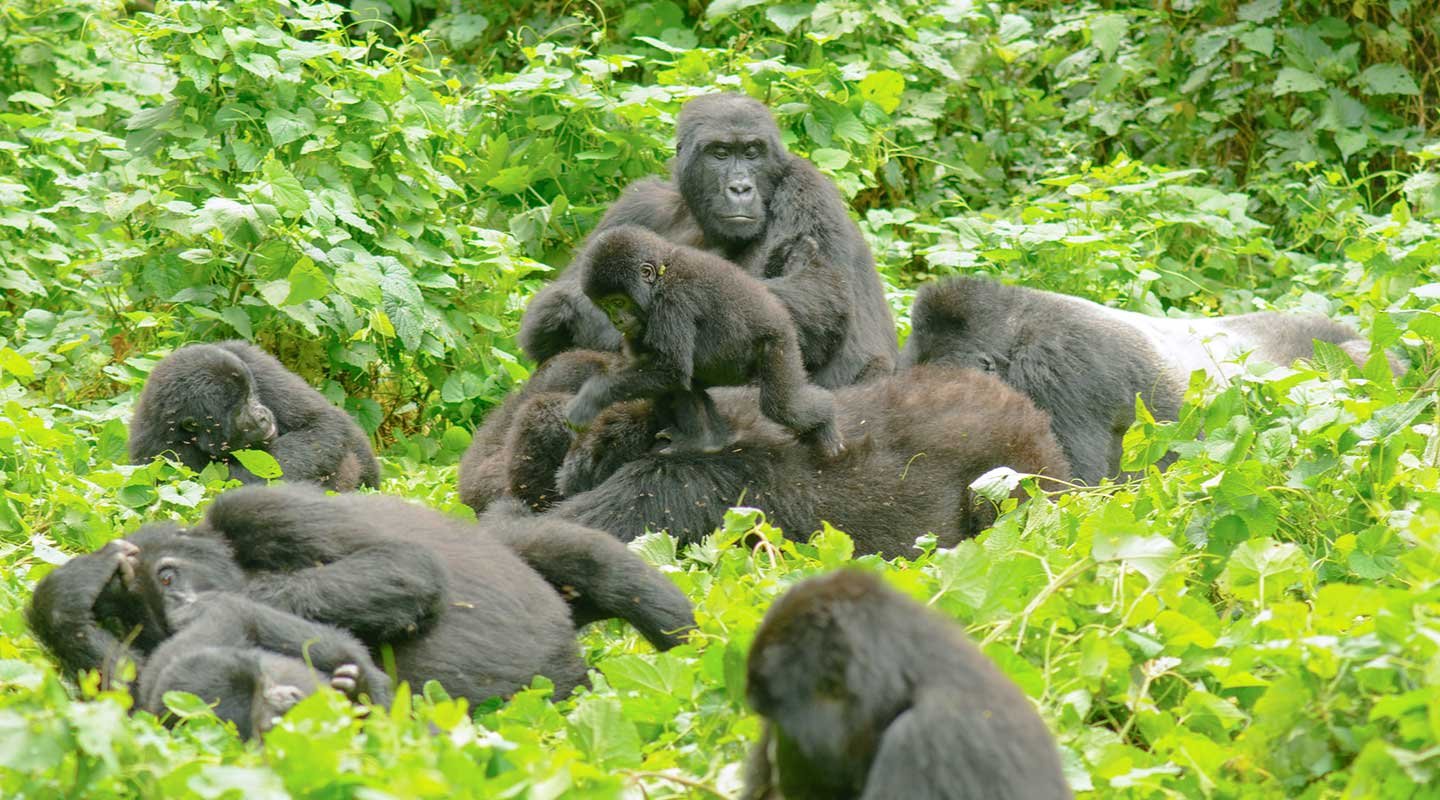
(692, 320)
(868, 694)
(485, 466)
(1084, 363)
(737, 192)
(479, 609)
(913, 447)
(204, 401)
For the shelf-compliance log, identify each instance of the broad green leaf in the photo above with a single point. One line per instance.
(1107, 31)
(1292, 80)
(1387, 79)
(883, 88)
(260, 463)
(307, 283)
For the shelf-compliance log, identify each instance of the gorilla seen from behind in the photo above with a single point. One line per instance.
(868, 694)
(204, 401)
(692, 320)
(479, 609)
(739, 194)
(1085, 363)
(914, 444)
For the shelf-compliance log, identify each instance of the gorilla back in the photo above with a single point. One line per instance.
(867, 694)
(916, 443)
(1084, 363)
(204, 401)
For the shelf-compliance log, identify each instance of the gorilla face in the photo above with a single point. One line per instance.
(225, 413)
(730, 156)
(167, 569)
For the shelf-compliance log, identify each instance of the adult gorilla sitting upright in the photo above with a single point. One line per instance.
(738, 193)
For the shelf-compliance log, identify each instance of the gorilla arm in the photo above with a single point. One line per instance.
(65, 609)
(343, 571)
(666, 363)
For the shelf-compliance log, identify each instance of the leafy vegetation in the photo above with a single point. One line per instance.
(374, 201)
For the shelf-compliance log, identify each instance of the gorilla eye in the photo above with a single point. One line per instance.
(720, 151)
(166, 575)
(987, 363)
(752, 152)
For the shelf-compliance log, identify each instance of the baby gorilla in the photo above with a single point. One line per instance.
(252, 661)
(691, 320)
(867, 694)
(204, 401)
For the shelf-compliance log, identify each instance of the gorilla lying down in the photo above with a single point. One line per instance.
(868, 694)
(915, 444)
(204, 401)
(333, 579)
(1084, 363)
(736, 192)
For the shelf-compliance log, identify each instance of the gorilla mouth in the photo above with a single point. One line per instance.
(738, 218)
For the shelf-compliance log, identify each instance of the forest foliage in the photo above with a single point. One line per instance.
(374, 194)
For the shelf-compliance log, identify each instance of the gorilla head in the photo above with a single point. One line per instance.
(963, 322)
(212, 402)
(622, 269)
(729, 158)
(168, 569)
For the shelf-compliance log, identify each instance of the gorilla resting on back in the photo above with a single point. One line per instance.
(204, 401)
(913, 447)
(738, 193)
(478, 608)
(867, 694)
(1084, 363)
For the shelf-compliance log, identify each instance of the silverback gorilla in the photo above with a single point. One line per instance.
(1084, 363)
(868, 694)
(478, 608)
(204, 401)
(913, 447)
(737, 192)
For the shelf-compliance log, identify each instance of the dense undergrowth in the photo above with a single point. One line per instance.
(375, 202)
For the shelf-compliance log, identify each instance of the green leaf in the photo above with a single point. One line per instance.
(307, 283)
(1107, 31)
(883, 88)
(829, 159)
(600, 730)
(260, 463)
(1260, 570)
(1293, 80)
(1387, 79)
(285, 127)
(461, 386)
(788, 17)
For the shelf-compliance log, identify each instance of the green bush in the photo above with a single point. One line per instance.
(375, 197)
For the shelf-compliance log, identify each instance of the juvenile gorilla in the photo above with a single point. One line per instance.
(457, 602)
(915, 445)
(254, 662)
(1084, 363)
(736, 192)
(690, 321)
(204, 401)
(485, 467)
(868, 694)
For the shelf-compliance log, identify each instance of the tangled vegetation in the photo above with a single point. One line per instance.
(374, 195)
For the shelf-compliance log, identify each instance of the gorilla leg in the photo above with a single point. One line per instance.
(597, 575)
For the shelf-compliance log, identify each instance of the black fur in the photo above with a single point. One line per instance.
(455, 601)
(484, 469)
(868, 694)
(691, 320)
(1085, 364)
(730, 161)
(205, 400)
(915, 446)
